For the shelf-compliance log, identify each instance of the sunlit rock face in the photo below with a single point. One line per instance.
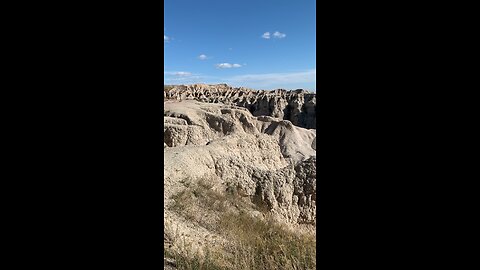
(270, 160)
(297, 106)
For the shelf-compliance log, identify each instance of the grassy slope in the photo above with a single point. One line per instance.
(256, 243)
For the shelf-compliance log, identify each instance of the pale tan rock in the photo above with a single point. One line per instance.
(297, 106)
(200, 123)
(269, 161)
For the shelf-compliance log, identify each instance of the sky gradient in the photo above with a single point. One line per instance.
(261, 44)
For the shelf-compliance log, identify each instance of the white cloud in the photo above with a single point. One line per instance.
(178, 73)
(228, 65)
(165, 38)
(279, 35)
(276, 34)
(202, 57)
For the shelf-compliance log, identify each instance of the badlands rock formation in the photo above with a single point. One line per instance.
(196, 123)
(268, 161)
(297, 106)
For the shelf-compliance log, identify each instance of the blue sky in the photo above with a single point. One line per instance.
(261, 44)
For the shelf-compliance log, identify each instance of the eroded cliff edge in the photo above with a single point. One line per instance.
(298, 106)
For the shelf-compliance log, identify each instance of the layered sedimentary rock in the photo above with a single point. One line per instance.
(268, 162)
(297, 106)
(196, 123)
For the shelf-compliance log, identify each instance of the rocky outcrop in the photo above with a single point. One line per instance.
(253, 166)
(268, 162)
(289, 192)
(195, 123)
(297, 106)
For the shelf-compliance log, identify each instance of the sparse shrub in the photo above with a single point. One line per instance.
(255, 243)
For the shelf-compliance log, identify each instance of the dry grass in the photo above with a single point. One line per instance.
(256, 243)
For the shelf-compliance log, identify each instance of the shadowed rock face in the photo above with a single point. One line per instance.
(297, 106)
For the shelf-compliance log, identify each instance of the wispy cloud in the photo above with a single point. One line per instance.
(183, 77)
(287, 80)
(178, 73)
(266, 35)
(202, 57)
(228, 65)
(263, 78)
(271, 79)
(165, 38)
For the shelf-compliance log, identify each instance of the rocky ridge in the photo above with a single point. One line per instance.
(196, 123)
(298, 106)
